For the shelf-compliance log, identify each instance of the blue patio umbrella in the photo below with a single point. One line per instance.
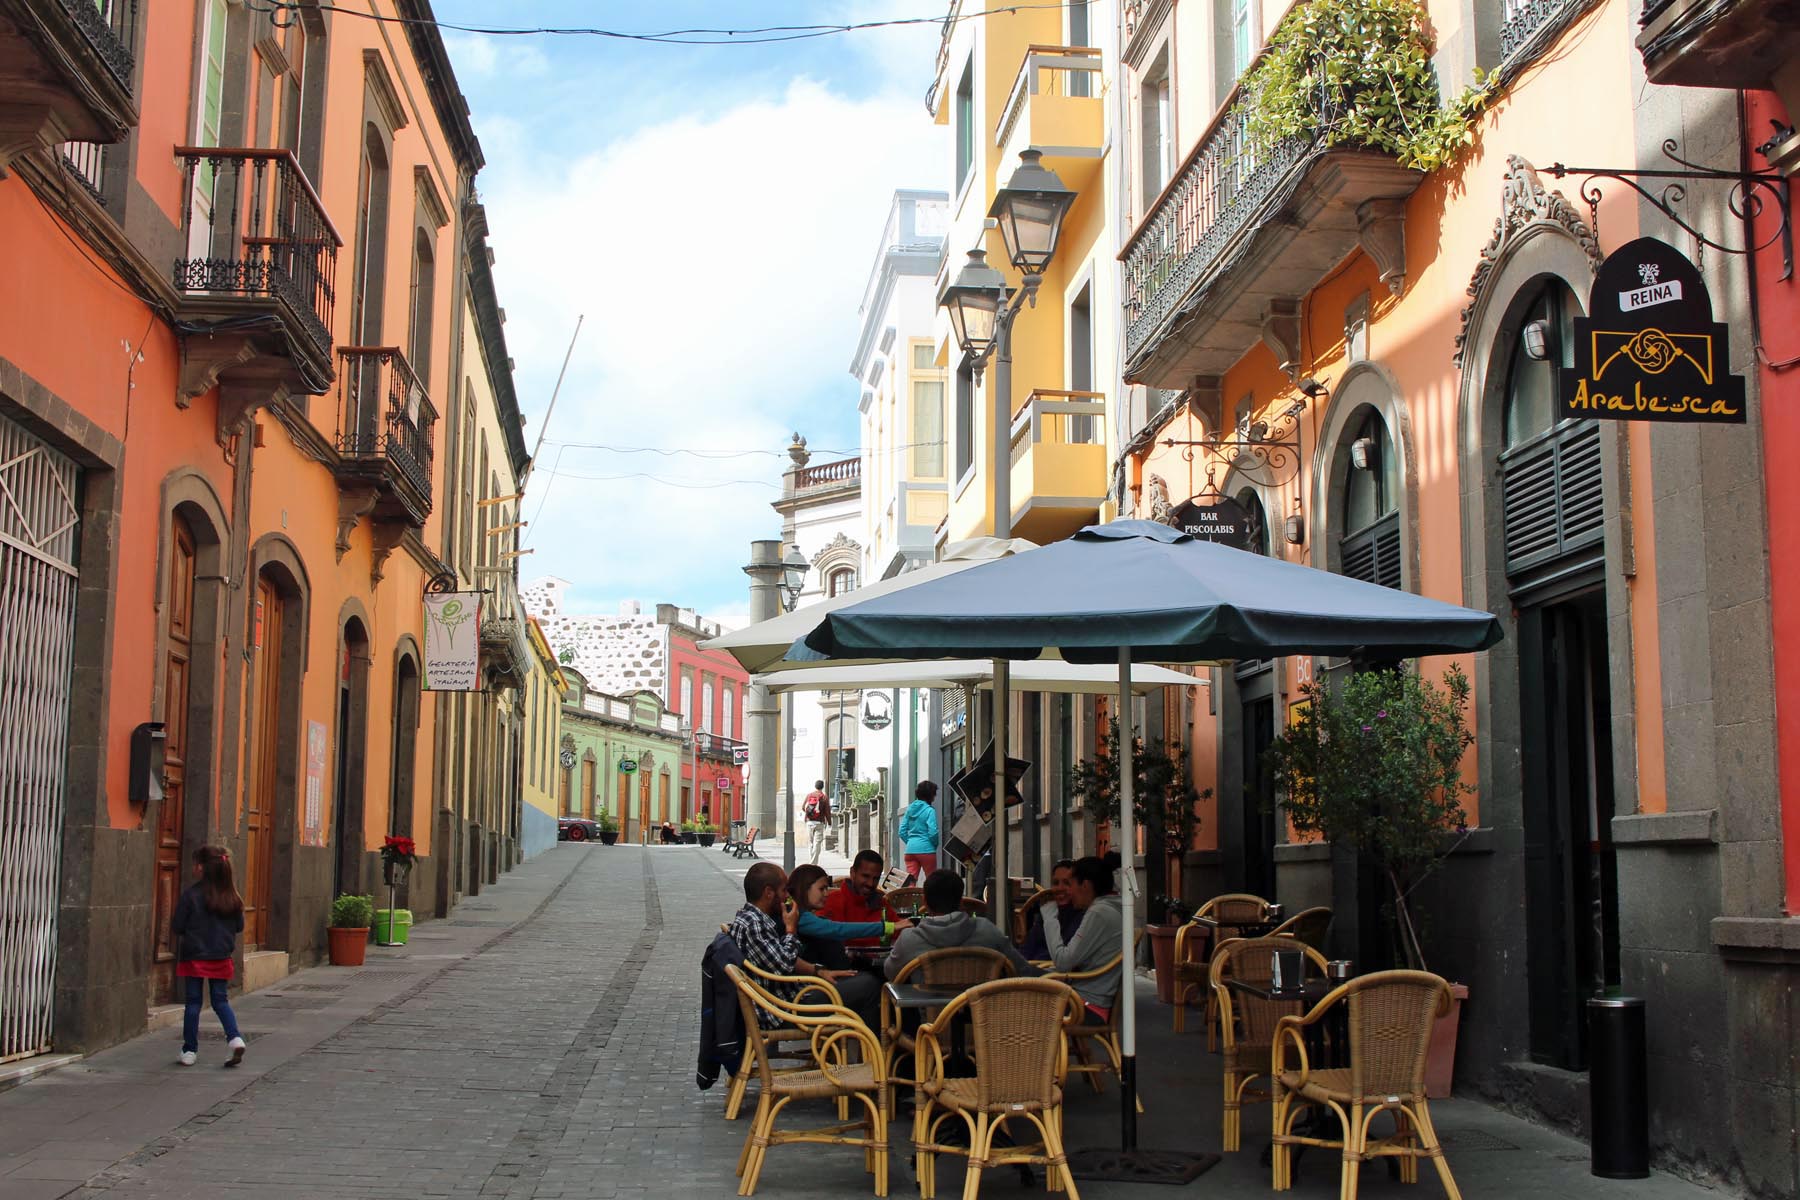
(1141, 591)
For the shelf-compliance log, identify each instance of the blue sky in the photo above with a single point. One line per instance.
(713, 213)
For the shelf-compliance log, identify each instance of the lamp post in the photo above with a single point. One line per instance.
(793, 579)
(1029, 212)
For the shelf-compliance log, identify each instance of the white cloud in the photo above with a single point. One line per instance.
(719, 264)
(479, 57)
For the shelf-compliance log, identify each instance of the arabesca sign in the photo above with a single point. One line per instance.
(1649, 349)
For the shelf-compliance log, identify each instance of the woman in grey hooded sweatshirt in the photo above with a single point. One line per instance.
(1096, 941)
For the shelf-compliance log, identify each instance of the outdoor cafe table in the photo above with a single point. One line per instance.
(1327, 1046)
(920, 998)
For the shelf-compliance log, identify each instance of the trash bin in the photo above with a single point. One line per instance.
(401, 921)
(1618, 1088)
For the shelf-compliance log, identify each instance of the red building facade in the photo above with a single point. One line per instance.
(707, 689)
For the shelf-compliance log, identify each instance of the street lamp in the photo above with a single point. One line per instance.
(1030, 211)
(793, 581)
(973, 304)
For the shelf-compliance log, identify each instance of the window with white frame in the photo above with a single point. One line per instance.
(1156, 131)
(927, 413)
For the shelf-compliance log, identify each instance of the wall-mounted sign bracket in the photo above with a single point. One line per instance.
(1751, 194)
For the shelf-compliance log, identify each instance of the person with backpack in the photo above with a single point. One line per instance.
(919, 831)
(816, 808)
(207, 921)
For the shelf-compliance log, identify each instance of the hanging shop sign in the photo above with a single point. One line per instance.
(723, 783)
(1649, 349)
(1220, 519)
(566, 758)
(452, 645)
(627, 765)
(740, 755)
(877, 710)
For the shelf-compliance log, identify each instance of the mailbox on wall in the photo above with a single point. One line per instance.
(148, 742)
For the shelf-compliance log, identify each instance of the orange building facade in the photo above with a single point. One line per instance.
(230, 341)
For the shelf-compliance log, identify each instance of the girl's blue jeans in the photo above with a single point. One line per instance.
(221, 1004)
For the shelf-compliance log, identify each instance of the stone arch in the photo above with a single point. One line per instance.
(351, 667)
(1364, 386)
(407, 702)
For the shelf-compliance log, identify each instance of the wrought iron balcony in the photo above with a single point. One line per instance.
(1241, 226)
(1055, 107)
(717, 748)
(385, 423)
(258, 242)
(65, 72)
(1059, 469)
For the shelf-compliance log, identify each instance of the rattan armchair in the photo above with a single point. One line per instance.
(1103, 1034)
(1309, 926)
(786, 1042)
(1390, 1019)
(847, 1065)
(906, 899)
(957, 966)
(1021, 1061)
(1246, 1022)
(1193, 945)
(1021, 922)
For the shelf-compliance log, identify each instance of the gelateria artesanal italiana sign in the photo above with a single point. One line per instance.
(1649, 349)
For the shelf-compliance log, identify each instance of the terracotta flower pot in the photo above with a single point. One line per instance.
(348, 946)
(1440, 1060)
(1162, 952)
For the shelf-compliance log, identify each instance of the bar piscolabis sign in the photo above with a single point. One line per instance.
(1649, 349)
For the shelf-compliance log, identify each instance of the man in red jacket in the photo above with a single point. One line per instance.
(860, 899)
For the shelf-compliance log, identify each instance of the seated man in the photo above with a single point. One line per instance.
(1068, 917)
(948, 927)
(766, 930)
(860, 899)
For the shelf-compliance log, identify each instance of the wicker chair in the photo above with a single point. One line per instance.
(1309, 926)
(786, 1042)
(1193, 973)
(1105, 1035)
(848, 1064)
(1390, 1020)
(907, 899)
(959, 966)
(1246, 1022)
(972, 906)
(1020, 1065)
(1021, 922)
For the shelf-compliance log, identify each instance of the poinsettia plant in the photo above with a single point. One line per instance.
(398, 851)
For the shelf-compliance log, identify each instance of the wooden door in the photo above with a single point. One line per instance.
(259, 815)
(588, 787)
(170, 816)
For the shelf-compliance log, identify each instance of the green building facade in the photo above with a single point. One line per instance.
(619, 754)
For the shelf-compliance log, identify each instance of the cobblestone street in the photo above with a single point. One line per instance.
(541, 1044)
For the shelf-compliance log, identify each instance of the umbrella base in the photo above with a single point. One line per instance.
(1173, 1167)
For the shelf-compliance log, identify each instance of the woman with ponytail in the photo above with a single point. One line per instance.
(1097, 940)
(208, 918)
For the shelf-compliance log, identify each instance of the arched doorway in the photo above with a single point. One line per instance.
(278, 661)
(1250, 826)
(351, 770)
(1553, 508)
(405, 750)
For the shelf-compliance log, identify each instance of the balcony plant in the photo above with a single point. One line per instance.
(348, 929)
(1359, 73)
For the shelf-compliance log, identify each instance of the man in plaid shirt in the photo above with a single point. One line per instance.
(765, 930)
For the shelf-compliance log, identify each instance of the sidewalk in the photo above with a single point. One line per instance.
(125, 1104)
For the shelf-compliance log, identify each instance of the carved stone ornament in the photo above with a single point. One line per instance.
(1161, 511)
(1525, 201)
(1281, 334)
(839, 547)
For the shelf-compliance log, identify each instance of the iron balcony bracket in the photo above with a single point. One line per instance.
(1268, 464)
(1751, 193)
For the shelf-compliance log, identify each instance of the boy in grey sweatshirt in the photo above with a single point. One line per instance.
(948, 927)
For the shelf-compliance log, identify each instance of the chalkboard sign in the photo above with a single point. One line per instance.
(1649, 349)
(1221, 520)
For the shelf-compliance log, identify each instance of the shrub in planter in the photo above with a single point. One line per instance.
(705, 832)
(690, 833)
(609, 827)
(348, 929)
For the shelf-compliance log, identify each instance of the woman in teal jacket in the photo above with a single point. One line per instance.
(919, 831)
(821, 938)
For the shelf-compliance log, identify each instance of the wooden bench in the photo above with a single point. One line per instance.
(747, 847)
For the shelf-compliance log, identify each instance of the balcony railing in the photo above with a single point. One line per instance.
(1521, 21)
(1058, 463)
(253, 226)
(1060, 418)
(110, 27)
(385, 423)
(844, 470)
(712, 745)
(1049, 71)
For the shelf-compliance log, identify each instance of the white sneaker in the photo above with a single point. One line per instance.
(189, 1058)
(237, 1051)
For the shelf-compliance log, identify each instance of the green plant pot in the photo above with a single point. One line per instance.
(401, 926)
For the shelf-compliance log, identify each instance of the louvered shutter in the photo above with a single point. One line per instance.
(1373, 554)
(1551, 495)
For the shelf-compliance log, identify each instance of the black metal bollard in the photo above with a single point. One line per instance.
(1618, 1088)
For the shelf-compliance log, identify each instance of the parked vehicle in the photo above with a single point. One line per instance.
(577, 829)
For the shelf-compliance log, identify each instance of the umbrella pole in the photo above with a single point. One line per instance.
(1127, 909)
(1130, 1164)
(1002, 699)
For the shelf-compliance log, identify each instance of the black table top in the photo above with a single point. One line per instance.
(1314, 991)
(912, 995)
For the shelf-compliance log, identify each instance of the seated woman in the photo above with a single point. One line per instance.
(1098, 938)
(823, 939)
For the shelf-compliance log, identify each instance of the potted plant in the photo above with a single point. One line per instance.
(348, 929)
(1164, 808)
(609, 827)
(690, 833)
(1375, 765)
(705, 831)
(393, 923)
